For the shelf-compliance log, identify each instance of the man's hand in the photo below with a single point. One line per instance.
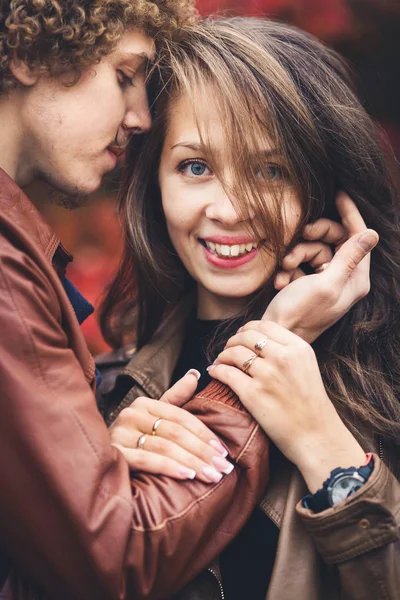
(160, 437)
(310, 304)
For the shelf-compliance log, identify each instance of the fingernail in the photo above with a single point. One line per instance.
(187, 473)
(194, 372)
(239, 330)
(210, 368)
(219, 447)
(367, 241)
(212, 474)
(222, 465)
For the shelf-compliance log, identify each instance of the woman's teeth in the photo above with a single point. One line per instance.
(230, 251)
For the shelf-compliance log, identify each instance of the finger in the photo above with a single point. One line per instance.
(350, 215)
(273, 331)
(175, 424)
(239, 357)
(205, 471)
(147, 462)
(190, 422)
(183, 390)
(325, 230)
(315, 253)
(350, 257)
(238, 381)
(282, 279)
(297, 274)
(249, 339)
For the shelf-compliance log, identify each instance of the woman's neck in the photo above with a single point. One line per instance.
(211, 307)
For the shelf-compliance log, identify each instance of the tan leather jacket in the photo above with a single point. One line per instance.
(349, 552)
(72, 521)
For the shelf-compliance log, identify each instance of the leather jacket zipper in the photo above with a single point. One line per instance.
(221, 589)
(381, 453)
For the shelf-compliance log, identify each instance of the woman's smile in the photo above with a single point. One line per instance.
(226, 252)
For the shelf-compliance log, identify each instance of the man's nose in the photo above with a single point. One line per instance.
(137, 117)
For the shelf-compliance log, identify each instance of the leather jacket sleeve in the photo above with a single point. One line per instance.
(71, 517)
(361, 537)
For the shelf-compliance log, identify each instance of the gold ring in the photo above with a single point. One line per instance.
(321, 267)
(247, 363)
(155, 426)
(260, 345)
(141, 441)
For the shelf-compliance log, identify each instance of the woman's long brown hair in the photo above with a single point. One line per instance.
(271, 80)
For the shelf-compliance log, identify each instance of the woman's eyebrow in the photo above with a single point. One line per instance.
(191, 145)
(270, 153)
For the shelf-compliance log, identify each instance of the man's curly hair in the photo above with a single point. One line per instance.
(63, 35)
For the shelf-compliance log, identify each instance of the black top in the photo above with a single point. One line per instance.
(246, 564)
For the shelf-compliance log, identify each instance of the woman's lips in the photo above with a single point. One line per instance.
(228, 263)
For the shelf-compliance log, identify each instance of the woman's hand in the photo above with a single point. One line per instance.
(182, 447)
(309, 305)
(284, 392)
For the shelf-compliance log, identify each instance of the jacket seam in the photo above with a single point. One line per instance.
(39, 368)
(23, 323)
(203, 497)
(381, 583)
(208, 399)
(184, 511)
(248, 443)
(379, 540)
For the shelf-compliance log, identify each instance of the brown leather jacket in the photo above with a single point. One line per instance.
(72, 521)
(349, 552)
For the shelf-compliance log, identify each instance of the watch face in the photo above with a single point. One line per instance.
(344, 487)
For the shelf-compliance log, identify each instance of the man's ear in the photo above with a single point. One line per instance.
(23, 73)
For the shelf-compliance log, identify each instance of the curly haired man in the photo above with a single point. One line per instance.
(72, 81)
(73, 526)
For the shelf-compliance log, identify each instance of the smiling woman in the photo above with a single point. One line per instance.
(256, 131)
(208, 227)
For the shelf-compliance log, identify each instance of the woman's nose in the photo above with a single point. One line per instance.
(221, 208)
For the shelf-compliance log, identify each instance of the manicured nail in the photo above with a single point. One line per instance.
(367, 241)
(210, 368)
(222, 465)
(194, 372)
(218, 447)
(187, 473)
(212, 474)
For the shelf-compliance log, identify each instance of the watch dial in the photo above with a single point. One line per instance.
(343, 488)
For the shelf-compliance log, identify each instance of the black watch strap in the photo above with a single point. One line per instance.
(321, 500)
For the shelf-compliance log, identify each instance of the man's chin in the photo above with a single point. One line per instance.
(68, 200)
(70, 196)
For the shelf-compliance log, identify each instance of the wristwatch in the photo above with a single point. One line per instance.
(341, 484)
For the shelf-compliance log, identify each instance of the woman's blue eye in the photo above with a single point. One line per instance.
(194, 168)
(271, 172)
(197, 168)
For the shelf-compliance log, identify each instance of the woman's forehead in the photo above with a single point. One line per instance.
(197, 118)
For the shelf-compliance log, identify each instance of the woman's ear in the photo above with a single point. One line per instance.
(23, 73)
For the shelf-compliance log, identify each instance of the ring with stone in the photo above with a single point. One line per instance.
(247, 363)
(260, 345)
(141, 441)
(155, 426)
